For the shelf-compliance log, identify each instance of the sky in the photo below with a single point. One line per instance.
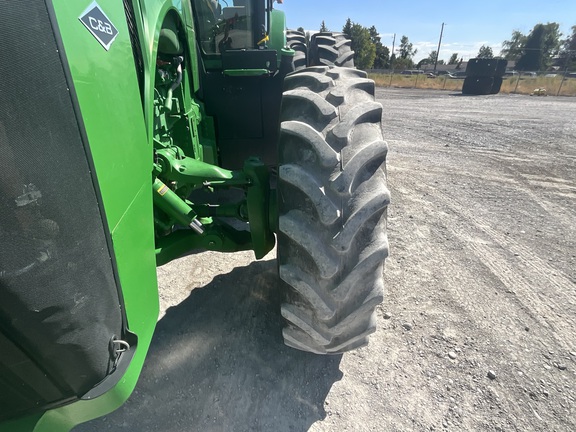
(468, 24)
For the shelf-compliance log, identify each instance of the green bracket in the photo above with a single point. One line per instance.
(189, 171)
(246, 72)
(258, 201)
(222, 238)
(181, 172)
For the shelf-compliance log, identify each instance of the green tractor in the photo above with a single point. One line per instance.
(134, 132)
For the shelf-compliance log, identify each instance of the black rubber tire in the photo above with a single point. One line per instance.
(496, 85)
(332, 205)
(481, 67)
(477, 85)
(331, 49)
(296, 40)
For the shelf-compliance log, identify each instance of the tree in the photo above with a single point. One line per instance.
(402, 63)
(407, 50)
(430, 60)
(485, 52)
(306, 34)
(453, 59)
(323, 27)
(568, 52)
(382, 53)
(423, 62)
(542, 44)
(512, 49)
(552, 42)
(347, 29)
(535, 51)
(364, 49)
(382, 60)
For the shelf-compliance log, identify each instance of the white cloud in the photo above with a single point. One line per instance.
(465, 50)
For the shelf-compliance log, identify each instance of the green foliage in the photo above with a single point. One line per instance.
(368, 50)
(512, 49)
(347, 29)
(363, 47)
(453, 59)
(382, 53)
(541, 45)
(407, 50)
(531, 58)
(430, 60)
(568, 52)
(536, 50)
(382, 60)
(552, 40)
(402, 63)
(485, 52)
(323, 27)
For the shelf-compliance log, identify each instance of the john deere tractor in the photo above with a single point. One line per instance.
(134, 132)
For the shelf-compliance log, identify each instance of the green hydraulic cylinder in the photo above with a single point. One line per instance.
(174, 206)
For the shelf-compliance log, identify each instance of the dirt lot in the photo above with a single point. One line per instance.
(477, 331)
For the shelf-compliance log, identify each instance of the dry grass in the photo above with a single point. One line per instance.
(510, 85)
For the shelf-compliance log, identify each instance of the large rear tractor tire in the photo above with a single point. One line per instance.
(296, 40)
(331, 49)
(332, 202)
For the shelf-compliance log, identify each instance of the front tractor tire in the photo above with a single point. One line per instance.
(332, 202)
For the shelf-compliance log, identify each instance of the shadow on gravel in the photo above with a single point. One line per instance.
(217, 363)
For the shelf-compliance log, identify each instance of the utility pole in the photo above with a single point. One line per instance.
(393, 43)
(392, 61)
(438, 51)
(569, 54)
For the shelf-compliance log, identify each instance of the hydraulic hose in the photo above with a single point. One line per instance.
(175, 84)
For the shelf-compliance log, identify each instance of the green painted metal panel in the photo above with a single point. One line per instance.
(277, 31)
(107, 89)
(105, 84)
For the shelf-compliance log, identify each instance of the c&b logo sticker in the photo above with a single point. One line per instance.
(96, 21)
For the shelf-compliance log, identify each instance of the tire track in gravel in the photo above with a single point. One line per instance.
(520, 183)
(528, 281)
(469, 298)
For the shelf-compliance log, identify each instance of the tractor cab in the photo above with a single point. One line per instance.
(241, 25)
(223, 28)
(240, 46)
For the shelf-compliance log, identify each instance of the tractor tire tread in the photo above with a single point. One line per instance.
(333, 200)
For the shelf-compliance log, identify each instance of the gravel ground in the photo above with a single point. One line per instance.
(477, 328)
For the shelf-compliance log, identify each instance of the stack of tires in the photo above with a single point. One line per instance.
(324, 49)
(484, 76)
(297, 41)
